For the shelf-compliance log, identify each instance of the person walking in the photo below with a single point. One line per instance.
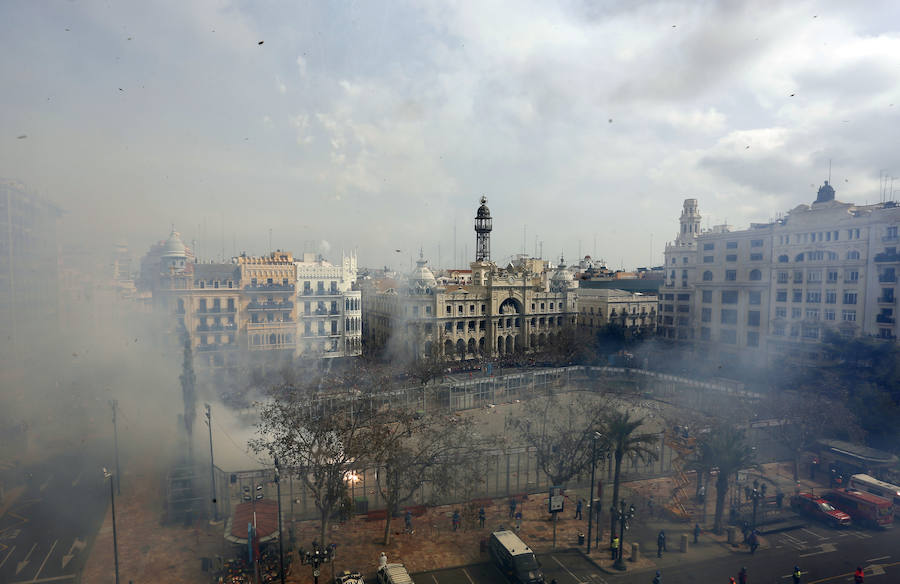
(795, 575)
(456, 520)
(753, 540)
(650, 506)
(518, 520)
(697, 531)
(731, 580)
(382, 560)
(481, 517)
(578, 509)
(859, 576)
(614, 547)
(408, 522)
(658, 578)
(660, 543)
(742, 575)
(512, 507)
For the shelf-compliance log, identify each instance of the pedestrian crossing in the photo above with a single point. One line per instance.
(816, 540)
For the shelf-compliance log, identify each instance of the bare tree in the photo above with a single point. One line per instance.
(325, 444)
(410, 450)
(727, 448)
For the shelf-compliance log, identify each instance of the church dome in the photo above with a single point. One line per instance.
(825, 194)
(174, 246)
(421, 279)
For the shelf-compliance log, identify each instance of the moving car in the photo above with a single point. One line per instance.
(819, 509)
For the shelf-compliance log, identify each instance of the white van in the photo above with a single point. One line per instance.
(514, 558)
(394, 574)
(864, 482)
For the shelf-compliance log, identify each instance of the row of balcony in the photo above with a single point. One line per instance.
(884, 319)
(213, 310)
(204, 328)
(286, 305)
(215, 347)
(322, 292)
(892, 257)
(887, 300)
(321, 312)
(270, 287)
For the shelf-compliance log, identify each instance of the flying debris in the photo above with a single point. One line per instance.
(260, 42)
(610, 120)
(398, 250)
(747, 148)
(22, 137)
(120, 89)
(792, 95)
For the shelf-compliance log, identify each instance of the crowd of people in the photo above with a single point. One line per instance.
(240, 571)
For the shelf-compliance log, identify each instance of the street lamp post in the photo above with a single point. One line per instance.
(623, 516)
(758, 492)
(212, 466)
(280, 537)
(591, 498)
(315, 558)
(114, 404)
(112, 497)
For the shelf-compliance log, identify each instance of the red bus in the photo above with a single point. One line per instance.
(864, 508)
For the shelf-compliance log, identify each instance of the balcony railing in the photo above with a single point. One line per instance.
(270, 287)
(891, 237)
(286, 305)
(311, 292)
(215, 347)
(216, 310)
(887, 257)
(887, 278)
(887, 299)
(213, 328)
(269, 324)
(884, 319)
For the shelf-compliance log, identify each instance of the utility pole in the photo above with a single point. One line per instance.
(112, 497)
(113, 403)
(212, 468)
(280, 537)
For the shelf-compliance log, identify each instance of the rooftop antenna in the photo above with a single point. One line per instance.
(270, 239)
(829, 170)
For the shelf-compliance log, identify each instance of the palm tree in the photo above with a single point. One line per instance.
(727, 448)
(619, 433)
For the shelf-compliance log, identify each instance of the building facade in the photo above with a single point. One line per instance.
(634, 312)
(330, 308)
(751, 296)
(518, 308)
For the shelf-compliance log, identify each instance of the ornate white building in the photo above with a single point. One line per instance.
(774, 289)
(517, 308)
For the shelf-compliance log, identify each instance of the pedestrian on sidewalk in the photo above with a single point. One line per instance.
(518, 520)
(481, 517)
(658, 578)
(731, 580)
(697, 531)
(408, 522)
(660, 543)
(650, 506)
(795, 575)
(859, 576)
(382, 560)
(512, 507)
(614, 547)
(456, 520)
(578, 509)
(742, 575)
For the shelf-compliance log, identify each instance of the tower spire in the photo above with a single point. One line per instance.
(483, 226)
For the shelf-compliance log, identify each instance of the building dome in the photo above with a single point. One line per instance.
(825, 194)
(174, 246)
(483, 211)
(562, 274)
(421, 279)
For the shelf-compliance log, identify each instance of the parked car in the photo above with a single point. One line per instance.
(819, 509)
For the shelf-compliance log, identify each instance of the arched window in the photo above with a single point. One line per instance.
(782, 259)
(799, 257)
(755, 275)
(707, 276)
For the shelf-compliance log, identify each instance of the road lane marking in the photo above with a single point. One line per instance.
(11, 550)
(21, 565)
(44, 563)
(468, 577)
(434, 578)
(67, 557)
(814, 533)
(876, 559)
(801, 573)
(827, 548)
(574, 577)
(841, 576)
(46, 484)
(51, 579)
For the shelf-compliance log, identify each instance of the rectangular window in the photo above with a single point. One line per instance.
(707, 259)
(706, 315)
(707, 295)
(797, 295)
(851, 276)
(782, 277)
(684, 308)
(730, 275)
(812, 314)
(755, 298)
(728, 336)
(731, 245)
(828, 314)
(848, 315)
(729, 296)
(780, 312)
(752, 339)
(814, 296)
(779, 330)
(732, 257)
(684, 297)
(832, 276)
(709, 246)
(810, 332)
(781, 296)
(798, 276)
(756, 243)
(729, 316)
(704, 334)
(814, 276)
(830, 297)
(849, 297)
(796, 313)
(756, 257)
(753, 318)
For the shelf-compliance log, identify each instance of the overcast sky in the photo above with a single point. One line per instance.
(378, 125)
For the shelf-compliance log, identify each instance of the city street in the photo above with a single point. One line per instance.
(45, 533)
(824, 555)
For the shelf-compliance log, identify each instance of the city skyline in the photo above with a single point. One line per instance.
(378, 127)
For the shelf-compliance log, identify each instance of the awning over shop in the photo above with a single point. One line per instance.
(858, 454)
(263, 514)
